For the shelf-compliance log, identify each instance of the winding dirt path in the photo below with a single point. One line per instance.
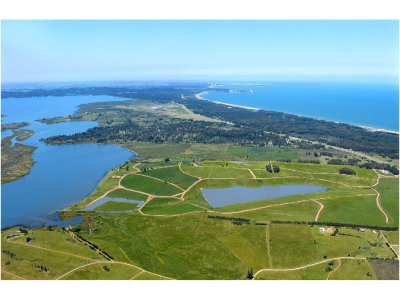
(378, 204)
(287, 203)
(164, 181)
(51, 250)
(378, 197)
(111, 262)
(93, 261)
(254, 177)
(12, 274)
(321, 207)
(333, 271)
(308, 265)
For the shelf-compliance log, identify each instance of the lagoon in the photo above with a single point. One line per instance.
(62, 174)
(220, 197)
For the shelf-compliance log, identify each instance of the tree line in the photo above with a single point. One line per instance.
(253, 125)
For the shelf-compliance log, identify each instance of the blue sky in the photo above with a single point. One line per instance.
(42, 51)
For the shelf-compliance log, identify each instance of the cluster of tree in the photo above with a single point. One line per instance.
(347, 171)
(252, 126)
(250, 274)
(222, 218)
(335, 134)
(184, 131)
(353, 161)
(106, 268)
(315, 154)
(41, 268)
(325, 153)
(336, 161)
(374, 165)
(330, 267)
(157, 93)
(91, 245)
(9, 253)
(340, 162)
(309, 161)
(285, 160)
(356, 226)
(272, 169)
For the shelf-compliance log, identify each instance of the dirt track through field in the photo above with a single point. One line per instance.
(308, 265)
(321, 207)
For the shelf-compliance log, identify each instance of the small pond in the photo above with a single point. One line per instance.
(107, 199)
(220, 197)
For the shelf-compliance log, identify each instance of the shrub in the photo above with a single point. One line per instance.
(347, 171)
(274, 168)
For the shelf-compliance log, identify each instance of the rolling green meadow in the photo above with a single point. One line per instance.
(177, 234)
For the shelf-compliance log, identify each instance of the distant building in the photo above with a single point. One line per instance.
(322, 230)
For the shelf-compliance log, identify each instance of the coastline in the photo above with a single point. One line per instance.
(199, 96)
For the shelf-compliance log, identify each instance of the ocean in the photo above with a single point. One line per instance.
(372, 105)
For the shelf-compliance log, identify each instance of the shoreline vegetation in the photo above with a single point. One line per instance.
(12, 126)
(125, 121)
(208, 122)
(16, 159)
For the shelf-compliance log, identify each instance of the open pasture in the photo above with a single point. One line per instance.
(48, 256)
(173, 175)
(149, 185)
(116, 206)
(298, 245)
(216, 171)
(168, 206)
(389, 192)
(361, 210)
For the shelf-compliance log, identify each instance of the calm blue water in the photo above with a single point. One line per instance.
(107, 199)
(373, 105)
(62, 175)
(220, 197)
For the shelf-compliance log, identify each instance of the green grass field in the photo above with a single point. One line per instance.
(168, 206)
(294, 246)
(335, 270)
(389, 190)
(354, 270)
(149, 185)
(173, 175)
(262, 153)
(51, 250)
(216, 172)
(317, 272)
(173, 236)
(361, 210)
(304, 211)
(392, 236)
(96, 271)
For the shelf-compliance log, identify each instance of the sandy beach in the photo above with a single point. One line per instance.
(372, 129)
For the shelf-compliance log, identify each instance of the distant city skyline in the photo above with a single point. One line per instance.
(207, 51)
